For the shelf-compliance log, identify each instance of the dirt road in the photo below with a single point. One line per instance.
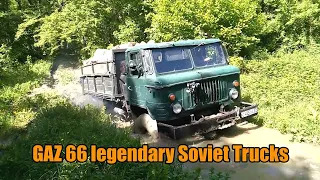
(304, 158)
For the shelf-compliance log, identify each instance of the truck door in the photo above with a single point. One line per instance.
(119, 62)
(136, 81)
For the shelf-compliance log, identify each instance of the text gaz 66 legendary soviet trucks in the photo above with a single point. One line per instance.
(186, 87)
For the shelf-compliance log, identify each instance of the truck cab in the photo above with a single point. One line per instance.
(186, 86)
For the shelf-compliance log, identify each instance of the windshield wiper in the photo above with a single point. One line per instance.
(201, 44)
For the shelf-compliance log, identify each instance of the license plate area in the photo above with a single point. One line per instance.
(249, 112)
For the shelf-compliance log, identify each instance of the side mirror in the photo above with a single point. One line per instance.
(132, 65)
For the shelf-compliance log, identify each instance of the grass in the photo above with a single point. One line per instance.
(59, 122)
(47, 118)
(286, 87)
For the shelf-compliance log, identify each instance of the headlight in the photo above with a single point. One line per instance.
(234, 94)
(177, 108)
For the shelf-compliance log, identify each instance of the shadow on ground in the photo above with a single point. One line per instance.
(63, 61)
(66, 61)
(63, 123)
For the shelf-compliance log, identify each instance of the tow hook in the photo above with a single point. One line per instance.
(237, 110)
(193, 119)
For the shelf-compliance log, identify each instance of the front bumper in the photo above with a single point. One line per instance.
(210, 123)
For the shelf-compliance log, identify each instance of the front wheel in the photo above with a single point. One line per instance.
(145, 123)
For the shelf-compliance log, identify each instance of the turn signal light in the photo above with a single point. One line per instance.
(172, 97)
(236, 84)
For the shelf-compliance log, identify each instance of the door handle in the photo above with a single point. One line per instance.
(129, 87)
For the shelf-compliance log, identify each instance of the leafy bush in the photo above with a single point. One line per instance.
(291, 24)
(17, 82)
(237, 23)
(239, 62)
(5, 61)
(88, 26)
(286, 87)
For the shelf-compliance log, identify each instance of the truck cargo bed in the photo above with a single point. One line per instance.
(101, 86)
(101, 74)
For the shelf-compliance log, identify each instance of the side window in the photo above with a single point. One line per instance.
(147, 61)
(136, 57)
(133, 57)
(157, 56)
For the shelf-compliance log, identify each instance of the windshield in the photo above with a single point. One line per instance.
(208, 55)
(172, 59)
(180, 58)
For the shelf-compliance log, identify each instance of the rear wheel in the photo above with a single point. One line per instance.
(211, 135)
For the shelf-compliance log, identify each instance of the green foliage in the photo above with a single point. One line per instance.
(218, 175)
(55, 124)
(11, 17)
(291, 24)
(5, 61)
(245, 26)
(16, 83)
(239, 62)
(127, 32)
(286, 87)
(37, 29)
(91, 25)
(238, 23)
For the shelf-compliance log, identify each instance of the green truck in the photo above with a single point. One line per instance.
(186, 87)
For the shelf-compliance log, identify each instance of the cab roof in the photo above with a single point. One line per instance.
(173, 44)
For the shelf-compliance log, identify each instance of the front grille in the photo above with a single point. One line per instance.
(210, 91)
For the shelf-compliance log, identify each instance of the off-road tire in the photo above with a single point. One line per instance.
(144, 123)
(211, 135)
